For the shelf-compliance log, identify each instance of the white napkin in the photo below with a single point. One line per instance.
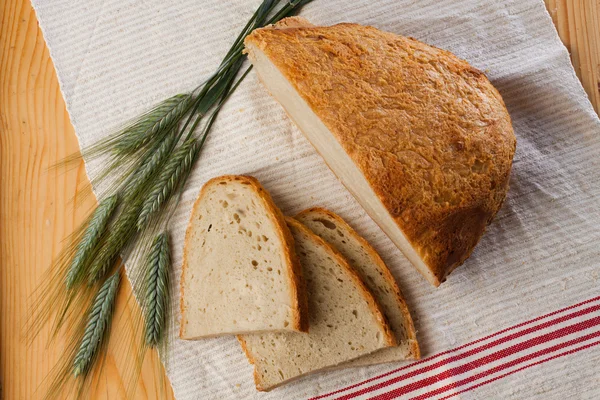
(115, 58)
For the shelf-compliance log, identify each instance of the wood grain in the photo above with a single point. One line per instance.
(578, 25)
(38, 207)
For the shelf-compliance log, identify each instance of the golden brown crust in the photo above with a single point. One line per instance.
(428, 131)
(297, 286)
(386, 273)
(293, 22)
(390, 338)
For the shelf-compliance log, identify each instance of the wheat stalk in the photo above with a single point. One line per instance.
(169, 179)
(175, 172)
(151, 125)
(99, 319)
(150, 166)
(119, 236)
(156, 284)
(90, 239)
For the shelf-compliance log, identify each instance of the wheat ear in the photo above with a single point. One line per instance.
(90, 239)
(98, 321)
(119, 236)
(173, 174)
(156, 285)
(153, 124)
(150, 166)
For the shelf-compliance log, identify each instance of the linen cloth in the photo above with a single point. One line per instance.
(116, 58)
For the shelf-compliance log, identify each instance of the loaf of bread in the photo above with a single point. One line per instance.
(345, 322)
(240, 273)
(420, 138)
(377, 278)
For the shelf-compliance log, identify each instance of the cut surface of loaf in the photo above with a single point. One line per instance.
(345, 321)
(363, 258)
(419, 137)
(240, 272)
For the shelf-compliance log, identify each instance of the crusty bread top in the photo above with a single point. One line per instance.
(389, 296)
(298, 301)
(429, 132)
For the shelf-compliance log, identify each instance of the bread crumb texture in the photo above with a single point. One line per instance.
(344, 321)
(377, 278)
(237, 274)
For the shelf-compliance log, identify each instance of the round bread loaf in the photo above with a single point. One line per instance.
(421, 138)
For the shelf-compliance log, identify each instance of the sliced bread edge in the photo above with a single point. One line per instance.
(389, 336)
(297, 286)
(415, 351)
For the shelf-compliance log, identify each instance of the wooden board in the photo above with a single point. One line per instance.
(37, 209)
(578, 25)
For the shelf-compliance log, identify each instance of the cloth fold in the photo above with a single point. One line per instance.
(116, 58)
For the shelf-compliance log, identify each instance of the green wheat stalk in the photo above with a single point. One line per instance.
(90, 239)
(176, 170)
(154, 124)
(119, 236)
(150, 166)
(98, 321)
(156, 285)
(169, 179)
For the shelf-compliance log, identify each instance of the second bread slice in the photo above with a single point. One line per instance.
(345, 320)
(377, 277)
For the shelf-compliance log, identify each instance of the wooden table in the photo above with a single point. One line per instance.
(38, 207)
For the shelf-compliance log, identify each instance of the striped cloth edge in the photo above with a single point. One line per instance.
(485, 360)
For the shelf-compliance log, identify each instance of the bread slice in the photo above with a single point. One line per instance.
(240, 272)
(420, 138)
(345, 320)
(377, 277)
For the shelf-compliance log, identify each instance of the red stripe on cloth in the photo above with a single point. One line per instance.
(391, 395)
(565, 353)
(438, 355)
(481, 361)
